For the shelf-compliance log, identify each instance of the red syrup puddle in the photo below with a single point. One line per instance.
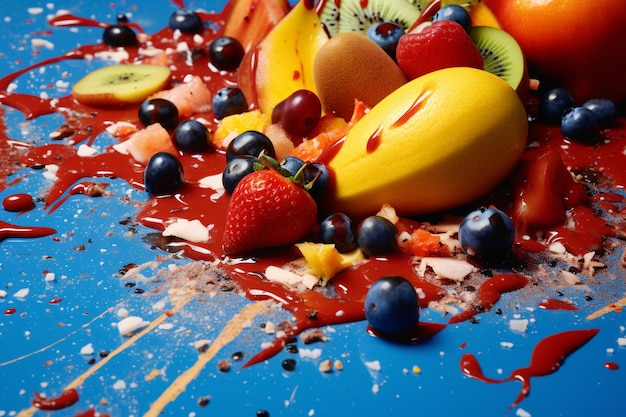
(311, 308)
(66, 399)
(19, 202)
(546, 358)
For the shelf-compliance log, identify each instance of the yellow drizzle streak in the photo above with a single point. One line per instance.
(613, 307)
(231, 330)
(129, 342)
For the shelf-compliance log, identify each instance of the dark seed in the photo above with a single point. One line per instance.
(291, 348)
(237, 356)
(588, 298)
(204, 401)
(139, 290)
(262, 413)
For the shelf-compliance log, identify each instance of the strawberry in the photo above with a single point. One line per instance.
(441, 45)
(267, 209)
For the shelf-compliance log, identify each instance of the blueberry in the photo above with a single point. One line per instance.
(317, 178)
(119, 35)
(291, 163)
(386, 35)
(580, 123)
(604, 109)
(391, 305)
(163, 174)
(187, 21)
(553, 104)
(191, 136)
(159, 110)
(455, 13)
(235, 170)
(339, 230)
(228, 101)
(226, 53)
(486, 233)
(251, 143)
(376, 235)
(122, 18)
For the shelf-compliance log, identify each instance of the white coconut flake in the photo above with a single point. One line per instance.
(192, 231)
(115, 56)
(213, 182)
(447, 268)
(3, 294)
(122, 313)
(522, 413)
(22, 293)
(129, 325)
(310, 353)
(41, 43)
(119, 385)
(373, 366)
(35, 10)
(87, 349)
(49, 277)
(51, 172)
(621, 341)
(518, 325)
(86, 150)
(506, 345)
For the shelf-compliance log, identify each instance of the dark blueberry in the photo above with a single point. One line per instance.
(191, 136)
(122, 18)
(226, 53)
(317, 179)
(391, 305)
(486, 233)
(163, 174)
(159, 110)
(386, 35)
(455, 13)
(119, 35)
(235, 170)
(228, 101)
(187, 21)
(300, 112)
(376, 235)
(580, 123)
(604, 109)
(250, 142)
(553, 104)
(289, 365)
(291, 164)
(339, 230)
(262, 413)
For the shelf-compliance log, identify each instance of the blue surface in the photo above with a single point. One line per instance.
(41, 342)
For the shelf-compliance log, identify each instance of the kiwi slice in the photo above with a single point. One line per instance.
(353, 16)
(119, 85)
(501, 54)
(423, 4)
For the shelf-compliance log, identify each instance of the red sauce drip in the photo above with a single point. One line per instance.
(8, 230)
(55, 300)
(611, 366)
(10, 311)
(18, 203)
(489, 293)
(554, 304)
(417, 105)
(373, 142)
(547, 357)
(67, 398)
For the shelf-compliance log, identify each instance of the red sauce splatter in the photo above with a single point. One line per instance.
(8, 230)
(489, 293)
(554, 304)
(10, 311)
(66, 399)
(611, 366)
(18, 202)
(547, 357)
(55, 300)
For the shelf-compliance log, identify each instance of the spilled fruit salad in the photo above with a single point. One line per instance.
(390, 172)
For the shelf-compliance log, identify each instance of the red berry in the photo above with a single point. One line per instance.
(441, 45)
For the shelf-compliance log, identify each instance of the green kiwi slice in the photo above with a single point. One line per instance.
(351, 15)
(502, 55)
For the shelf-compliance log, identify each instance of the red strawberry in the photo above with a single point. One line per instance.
(441, 45)
(266, 210)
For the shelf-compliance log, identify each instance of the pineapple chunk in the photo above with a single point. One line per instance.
(324, 261)
(235, 124)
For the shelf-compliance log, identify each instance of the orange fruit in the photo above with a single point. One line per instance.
(575, 44)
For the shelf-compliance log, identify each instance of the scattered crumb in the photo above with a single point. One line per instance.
(313, 336)
(223, 365)
(338, 365)
(326, 366)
